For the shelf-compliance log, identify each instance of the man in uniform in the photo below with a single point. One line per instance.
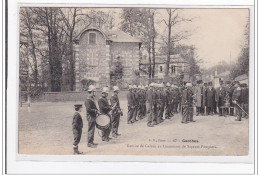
(204, 98)
(198, 94)
(77, 125)
(157, 103)
(91, 114)
(168, 101)
(136, 104)
(187, 104)
(150, 105)
(230, 90)
(244, 99)
(105, 108)
(116, 113)
(131, 105)
(161, 102)
(236, 98)
(220, 97)
(210, 98)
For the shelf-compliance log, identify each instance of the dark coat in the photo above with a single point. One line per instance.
(187, 97)
(115, 100)
(220, 95)
(204, 97)
(91, 108)
(77, 122)
(130, 99)
(237, 95)
(104, 106)
(244, 95)
(210, 97)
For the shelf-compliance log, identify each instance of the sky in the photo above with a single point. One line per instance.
(217, 34)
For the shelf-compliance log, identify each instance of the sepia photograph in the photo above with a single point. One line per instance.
(137, 81)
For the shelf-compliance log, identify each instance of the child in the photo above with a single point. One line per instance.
(77, 125)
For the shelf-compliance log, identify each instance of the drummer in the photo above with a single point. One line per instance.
(105, 108)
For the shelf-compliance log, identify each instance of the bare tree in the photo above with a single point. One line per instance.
(174, 18)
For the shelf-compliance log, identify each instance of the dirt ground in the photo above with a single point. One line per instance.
(47, 130)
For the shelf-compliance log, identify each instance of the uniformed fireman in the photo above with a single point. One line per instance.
(168, 100)
(105, 108)
(116, 113)
(91, 114)
(150, 105)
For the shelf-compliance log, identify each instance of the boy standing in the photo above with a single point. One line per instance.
(77, 125)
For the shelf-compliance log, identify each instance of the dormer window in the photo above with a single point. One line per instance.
(92, 38)
(113, 36)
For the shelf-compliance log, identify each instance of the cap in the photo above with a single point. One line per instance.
(168, 84)
(134, 87)
(78, 105)
(105, 90)
(115, 88)
(130, 86)
(91, 88)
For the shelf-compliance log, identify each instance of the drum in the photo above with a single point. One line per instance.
(102, 121)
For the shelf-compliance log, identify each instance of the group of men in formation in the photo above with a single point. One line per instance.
(161, 101)
(158, 102)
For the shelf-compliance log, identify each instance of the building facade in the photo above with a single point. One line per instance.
(95, 52)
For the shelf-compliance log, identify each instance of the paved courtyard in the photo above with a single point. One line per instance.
(47, 130)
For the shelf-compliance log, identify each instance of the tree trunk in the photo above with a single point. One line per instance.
(169, 47)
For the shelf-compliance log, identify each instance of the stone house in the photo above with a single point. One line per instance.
(95, 51)
(177, 67)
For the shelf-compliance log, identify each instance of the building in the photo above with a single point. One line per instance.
(95, 51)
(242, 78)
(178, 66)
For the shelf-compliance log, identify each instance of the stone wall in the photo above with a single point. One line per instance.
(129, 54)
(92, 60)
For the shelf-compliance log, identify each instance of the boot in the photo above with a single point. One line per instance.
(76, 151)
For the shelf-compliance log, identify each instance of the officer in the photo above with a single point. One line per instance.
(210, 98)
(91, 114)
(168, 101)
(220, 96)
(187, 104)
(105, 108)
(144, 88)
(130, 104)
(77, 125)
(236, 98)
(230, 90)
(116, 113)
(244, 99)
(150, 105)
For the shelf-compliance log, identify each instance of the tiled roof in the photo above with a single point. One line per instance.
(112, 35)
(241, 77)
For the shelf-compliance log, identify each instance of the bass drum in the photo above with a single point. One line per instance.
(102, 121)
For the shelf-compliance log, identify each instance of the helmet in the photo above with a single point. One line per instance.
(152, 85)
(168, 84)
(91, 88)
(105, 90)
(188, 85)
(139, 87)
(130, 87)
(134, 87)
(115, 88)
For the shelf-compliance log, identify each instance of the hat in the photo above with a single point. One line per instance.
(152, 84)
(243, 85)
(139, 87)
(236, 82)
(78, 105)
(161, 85)
(210, 83)
(146, 86)
(115, 88)
(134, 87)
(172, 86)
(91, 88)
(228, 82)
(168, 84)
(130, 87)
(188, 85)
(105, 90)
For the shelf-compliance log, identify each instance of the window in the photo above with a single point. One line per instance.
(161, 68)
(92, 38)
(173, 68)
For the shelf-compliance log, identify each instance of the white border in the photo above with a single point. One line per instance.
(91, 167)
